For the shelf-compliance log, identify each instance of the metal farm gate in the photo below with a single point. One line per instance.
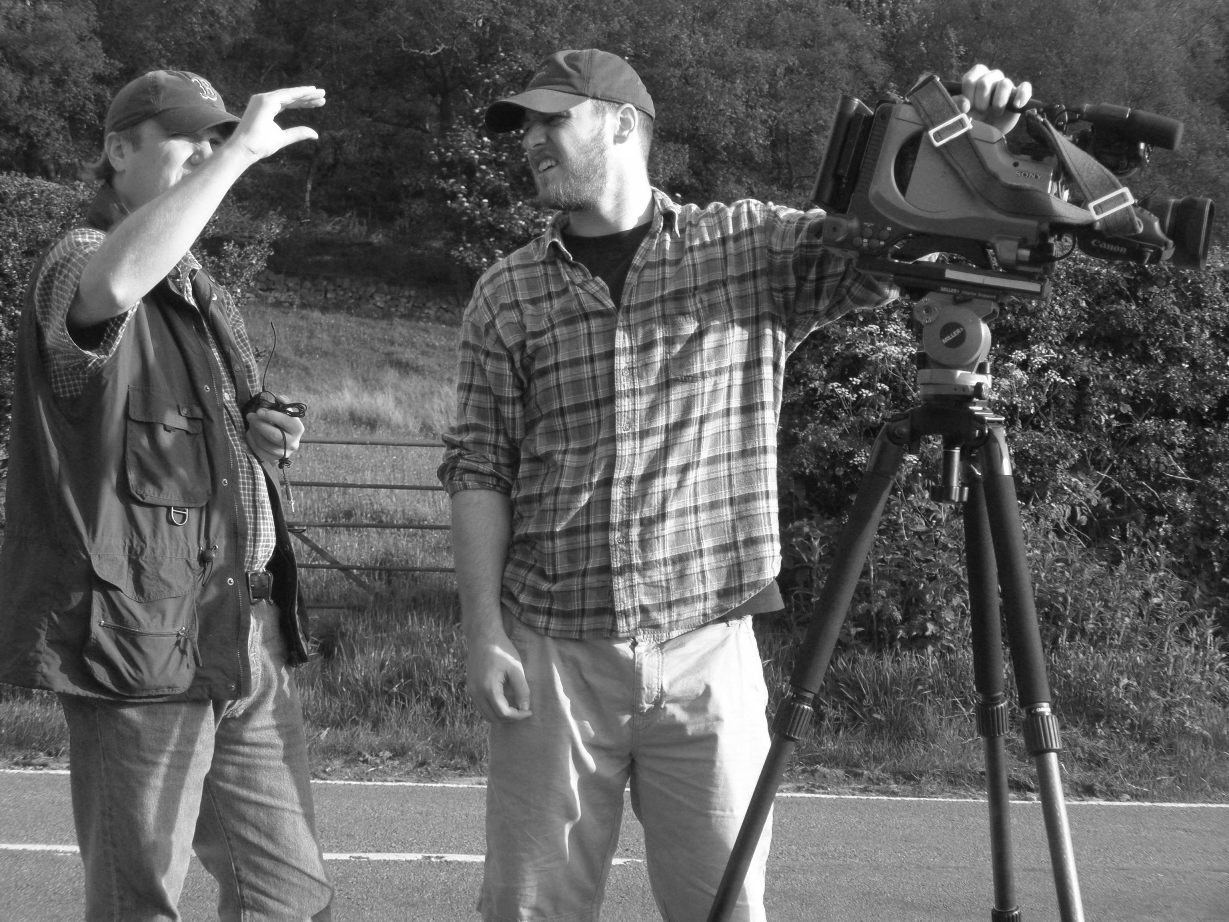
(316, 533)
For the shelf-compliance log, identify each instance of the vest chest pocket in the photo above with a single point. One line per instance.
(165, 451)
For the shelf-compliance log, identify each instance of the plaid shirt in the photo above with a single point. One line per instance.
(638, 441)
(70, 368)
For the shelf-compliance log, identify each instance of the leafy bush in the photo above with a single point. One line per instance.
(1132, 402)
(1116, 395)
(33, 213)
(238, 246)
(478, 179)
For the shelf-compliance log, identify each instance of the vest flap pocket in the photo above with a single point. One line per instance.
(151, 407)
(166, 456)
(146, 580)
(142, 647)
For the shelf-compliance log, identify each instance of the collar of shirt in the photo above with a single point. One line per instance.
(664, 210)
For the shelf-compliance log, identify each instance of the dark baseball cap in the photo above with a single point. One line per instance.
(182, 102)
(566, 79)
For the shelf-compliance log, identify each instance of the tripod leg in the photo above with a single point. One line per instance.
(988, 680)
(794, 715)
(1040, 729)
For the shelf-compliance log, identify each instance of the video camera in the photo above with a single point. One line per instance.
(923, 195)
(916, 176)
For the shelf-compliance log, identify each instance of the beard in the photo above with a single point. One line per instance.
(579, 184)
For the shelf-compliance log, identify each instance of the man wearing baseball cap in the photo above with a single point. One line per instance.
(612, 470)
(149, 579)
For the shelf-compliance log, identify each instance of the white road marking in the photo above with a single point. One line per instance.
(477, 784)
(425, 857)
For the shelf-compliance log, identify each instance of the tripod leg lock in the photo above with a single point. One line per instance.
(1041, 730)
(992, 718)
(793, 716)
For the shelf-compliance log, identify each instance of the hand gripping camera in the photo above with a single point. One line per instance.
(925, 196)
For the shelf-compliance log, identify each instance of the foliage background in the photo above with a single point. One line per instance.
(1115, 389)
(745, 91)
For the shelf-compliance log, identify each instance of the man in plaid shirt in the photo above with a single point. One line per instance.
(147, 571)
(612, 470)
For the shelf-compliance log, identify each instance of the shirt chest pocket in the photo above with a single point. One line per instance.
(698, 348)
(165, 453)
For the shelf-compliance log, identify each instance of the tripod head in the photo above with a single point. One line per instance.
(953, 306)
(955, 334)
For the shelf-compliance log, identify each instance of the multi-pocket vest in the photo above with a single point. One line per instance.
(121, 569)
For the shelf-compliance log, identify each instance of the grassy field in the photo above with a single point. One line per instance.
(385, 697)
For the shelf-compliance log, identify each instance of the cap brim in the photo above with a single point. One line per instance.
(191, 119)
(509, 114)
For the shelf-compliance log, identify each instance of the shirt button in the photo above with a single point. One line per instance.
(230, 581)
(225, 482)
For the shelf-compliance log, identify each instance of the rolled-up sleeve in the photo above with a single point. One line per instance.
(481, 450)
(71, 363)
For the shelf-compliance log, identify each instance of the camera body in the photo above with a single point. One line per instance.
(897, 187)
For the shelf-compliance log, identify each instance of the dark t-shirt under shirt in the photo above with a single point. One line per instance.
(609, 256)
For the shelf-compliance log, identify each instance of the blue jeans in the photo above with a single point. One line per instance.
(151, 782)
(681, 721)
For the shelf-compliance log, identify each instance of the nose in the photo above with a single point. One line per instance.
(533, 135)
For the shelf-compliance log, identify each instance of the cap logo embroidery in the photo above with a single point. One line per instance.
(206, 90)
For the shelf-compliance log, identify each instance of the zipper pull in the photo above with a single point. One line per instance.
(188, 647)
(205, 558)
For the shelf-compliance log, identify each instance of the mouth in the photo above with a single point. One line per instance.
(543, 164)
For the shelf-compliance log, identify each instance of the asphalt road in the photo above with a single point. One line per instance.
(413, 852)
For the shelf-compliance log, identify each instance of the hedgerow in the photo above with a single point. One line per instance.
(1115, 392)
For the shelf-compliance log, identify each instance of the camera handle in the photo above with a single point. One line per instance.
(977, 475)
(1108, 202)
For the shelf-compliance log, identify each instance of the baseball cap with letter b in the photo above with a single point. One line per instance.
(566, 79)
(182, 102)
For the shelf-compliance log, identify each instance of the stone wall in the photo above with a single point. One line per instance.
(359, 297)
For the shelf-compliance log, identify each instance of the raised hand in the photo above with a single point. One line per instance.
(258, 131)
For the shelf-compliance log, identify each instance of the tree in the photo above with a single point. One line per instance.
(51, 71)
(747, 91)
(195, 35)
(744, 94)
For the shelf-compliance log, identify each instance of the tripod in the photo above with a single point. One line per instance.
(976, 474)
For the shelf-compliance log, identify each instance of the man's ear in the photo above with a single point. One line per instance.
(626, 123)
(116, 149)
